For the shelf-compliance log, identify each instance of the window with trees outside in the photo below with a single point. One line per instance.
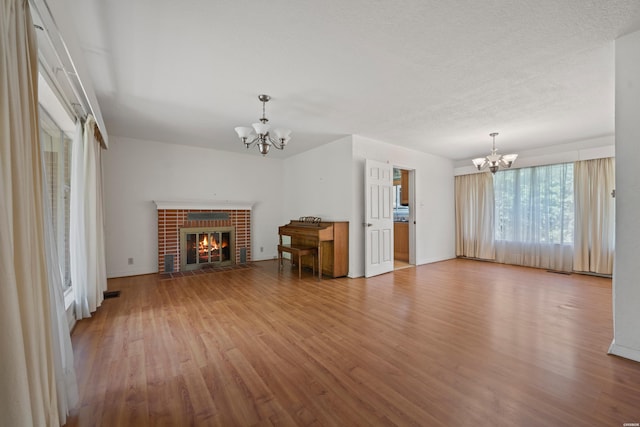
(56, 150)
(535, 205)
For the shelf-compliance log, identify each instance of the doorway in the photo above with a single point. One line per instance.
(385, 198)
(403, 223)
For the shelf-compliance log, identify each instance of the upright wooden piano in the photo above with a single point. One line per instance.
(331, 239)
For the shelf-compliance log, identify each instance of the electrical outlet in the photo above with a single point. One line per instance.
(130, 261)
(261, 248)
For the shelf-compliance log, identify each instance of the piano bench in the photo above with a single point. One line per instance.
(298, 252)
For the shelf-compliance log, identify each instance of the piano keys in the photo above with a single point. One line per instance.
(331, 239)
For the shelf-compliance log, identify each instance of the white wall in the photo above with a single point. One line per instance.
(434, 210)
(137, 172)
(626, 274)
(329, 182)
(318, 183)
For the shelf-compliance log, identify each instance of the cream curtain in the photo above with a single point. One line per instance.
(595, 215)
(27, 373)
(88, 270)
(475, 216)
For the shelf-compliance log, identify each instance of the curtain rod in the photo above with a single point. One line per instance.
(63, 53)
(60, 67)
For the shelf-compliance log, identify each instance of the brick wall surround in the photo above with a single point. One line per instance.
(170, 221)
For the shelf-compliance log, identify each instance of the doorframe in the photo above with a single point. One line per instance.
(412, 216)
(412, 211)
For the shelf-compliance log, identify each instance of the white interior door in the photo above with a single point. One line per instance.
(378, 240)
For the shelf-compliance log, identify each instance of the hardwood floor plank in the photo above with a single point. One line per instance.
(458, 342)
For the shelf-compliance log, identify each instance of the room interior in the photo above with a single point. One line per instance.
(419, 88)
(401, 219)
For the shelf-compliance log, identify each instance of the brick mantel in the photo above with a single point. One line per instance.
(212, 205)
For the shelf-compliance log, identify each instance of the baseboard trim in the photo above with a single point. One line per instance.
(626, 352)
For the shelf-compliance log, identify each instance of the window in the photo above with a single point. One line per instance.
(535, 205)
(56, 150)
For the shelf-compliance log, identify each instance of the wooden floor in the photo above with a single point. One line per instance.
(455, 343)
(398, 265)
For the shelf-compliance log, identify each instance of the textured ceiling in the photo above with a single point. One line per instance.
(435, 76)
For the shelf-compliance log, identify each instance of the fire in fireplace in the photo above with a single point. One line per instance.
(206, 247)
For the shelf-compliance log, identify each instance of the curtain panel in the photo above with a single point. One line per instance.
(27, 373)
(88, 267)
(66, 384)
(595, 216)
(474, 209)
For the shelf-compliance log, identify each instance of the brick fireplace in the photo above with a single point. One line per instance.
(176, 218)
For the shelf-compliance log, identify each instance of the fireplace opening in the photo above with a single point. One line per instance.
(206, 247)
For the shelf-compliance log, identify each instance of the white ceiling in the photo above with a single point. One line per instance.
(435, 76)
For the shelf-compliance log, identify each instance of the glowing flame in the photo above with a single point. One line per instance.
(205, 247)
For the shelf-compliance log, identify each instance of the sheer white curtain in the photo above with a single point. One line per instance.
(595, 215)
(27, 373)
(66, 385)
(534, 216)
(77, 234)
(88, 271)
(474, 200)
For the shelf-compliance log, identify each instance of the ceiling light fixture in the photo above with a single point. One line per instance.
(262, 137)
(495, 160)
